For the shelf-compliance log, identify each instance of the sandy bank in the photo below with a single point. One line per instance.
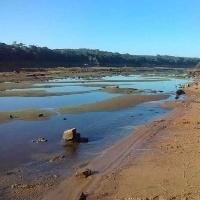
(115, 103)
(159, 161)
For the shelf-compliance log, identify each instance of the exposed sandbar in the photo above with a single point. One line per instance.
(36, 93)
(115, 103)
(29, 114)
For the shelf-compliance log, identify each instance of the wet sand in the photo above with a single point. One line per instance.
(159, 161)
(115, 103)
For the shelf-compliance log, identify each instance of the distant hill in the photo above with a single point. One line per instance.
(18, 55)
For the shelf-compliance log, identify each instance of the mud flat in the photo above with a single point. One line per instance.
(159, 161)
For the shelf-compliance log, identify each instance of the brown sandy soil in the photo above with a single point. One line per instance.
(159, 161)
(29, 114)
(113, 103)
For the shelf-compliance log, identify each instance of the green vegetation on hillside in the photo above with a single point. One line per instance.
(17, 56)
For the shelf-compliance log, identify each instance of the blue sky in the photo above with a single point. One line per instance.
(128, 26)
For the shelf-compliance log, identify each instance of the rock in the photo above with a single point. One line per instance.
(10, 173)
(177, 97)
(41, 115)
(84, 173)
(71, 135)
(180, 92)
(55, 176)
(64, 118)
(22, 186)
(11, 117)
(57, 158)
(83, 196)
(39, 140)
(13, 186)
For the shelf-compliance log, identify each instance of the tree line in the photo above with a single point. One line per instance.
(18, 55)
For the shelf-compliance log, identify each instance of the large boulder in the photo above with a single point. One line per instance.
(71, 135)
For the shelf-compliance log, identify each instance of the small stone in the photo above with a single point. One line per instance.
(9, 173)
(55, 176)
(83, 196)
(41, 115)
(40, 140)
(13, 186)
(85, 173)
(57, 158)
(180, 92)
(11, 117)
(176, 97)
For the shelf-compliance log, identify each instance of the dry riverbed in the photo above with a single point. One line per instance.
(108, 166)
(159, 161)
